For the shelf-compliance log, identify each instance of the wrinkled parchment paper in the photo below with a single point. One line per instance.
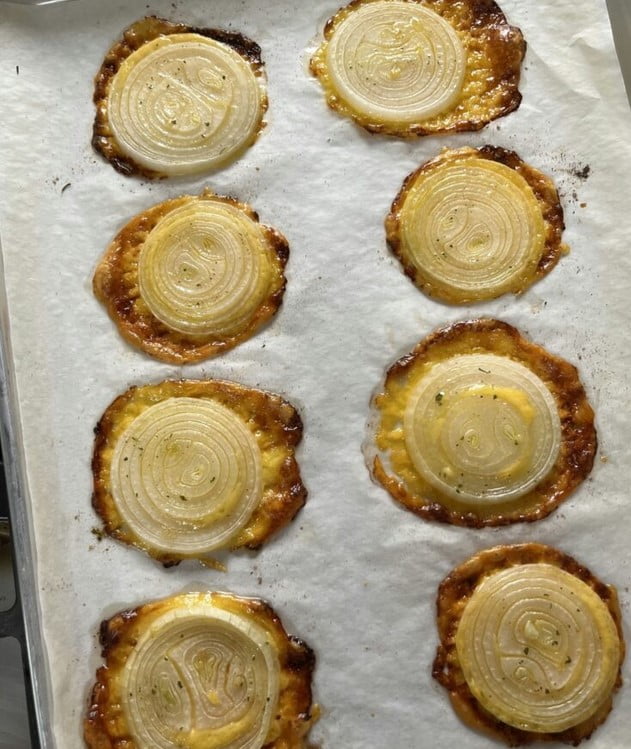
(355, 575)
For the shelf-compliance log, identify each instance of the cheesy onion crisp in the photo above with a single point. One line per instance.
(477, 426)
(192, 277)
(185, 468)
(420, 67)
(473, 224)
(173, 100)
(531, 644)
(201, 671)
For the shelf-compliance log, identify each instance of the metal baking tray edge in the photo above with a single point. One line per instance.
(23, 620)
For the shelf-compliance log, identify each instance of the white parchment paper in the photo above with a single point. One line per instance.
(355, 575)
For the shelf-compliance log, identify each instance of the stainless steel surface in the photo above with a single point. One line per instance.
(35, 2)
(22, 619)
(620, 14)
(14, 730)
(14, 727)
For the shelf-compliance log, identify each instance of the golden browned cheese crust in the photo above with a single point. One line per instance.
(578, 434)
(105, 726)
(453, 595)
(139, 33)
(274, 422)
(494, 51)
(543, 188)
(116, 286)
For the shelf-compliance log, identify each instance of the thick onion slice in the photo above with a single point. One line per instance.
(530, 644)
(200, 670)
(193, 276)
(481, 427)
(406, 67)
(180, 102)
(478, 426)
(469, 226)
(550, 637)
(186, 476)
(182, 469)
(203, 269)
(201, 676)
(396, 62)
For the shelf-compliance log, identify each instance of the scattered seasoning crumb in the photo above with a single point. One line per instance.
(17, 70)
(583, 205)
(65, 187)
(99, 533)
(582, 173)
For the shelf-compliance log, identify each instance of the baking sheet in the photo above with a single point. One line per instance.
(354, 575)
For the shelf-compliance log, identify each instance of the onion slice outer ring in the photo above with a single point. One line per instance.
(374, 63)
(482, 428)
(204, 269)
(186, 476)
(184, 655)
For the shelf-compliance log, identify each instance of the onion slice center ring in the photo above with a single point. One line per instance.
(498, 436)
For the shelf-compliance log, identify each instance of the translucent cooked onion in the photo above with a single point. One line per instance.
(482, 427)
(538, 648)
(201, 676)
(183, 103)
(204, 268)
(186, 476)
(474, 227)
(396, 62)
